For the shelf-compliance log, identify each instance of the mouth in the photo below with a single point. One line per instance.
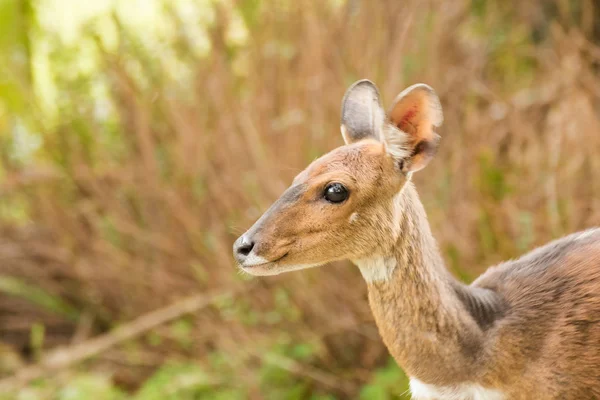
(254, 266)
(274, 267)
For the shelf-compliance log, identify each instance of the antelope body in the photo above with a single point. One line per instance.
(525, 329)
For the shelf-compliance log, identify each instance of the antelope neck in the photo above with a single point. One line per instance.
(419, 307)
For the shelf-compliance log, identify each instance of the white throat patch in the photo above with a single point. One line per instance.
(463, 391)
(376, 269)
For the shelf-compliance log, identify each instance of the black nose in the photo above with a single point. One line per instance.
(243, 247)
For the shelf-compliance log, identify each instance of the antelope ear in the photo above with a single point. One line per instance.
(416, 112)
(362, 113)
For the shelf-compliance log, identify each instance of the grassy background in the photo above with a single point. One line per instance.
(136, 147)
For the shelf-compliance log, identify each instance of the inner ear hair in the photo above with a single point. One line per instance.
(415, 113)
(398, 143)
(421, 153)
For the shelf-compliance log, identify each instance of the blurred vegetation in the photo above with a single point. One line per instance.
(137, 144)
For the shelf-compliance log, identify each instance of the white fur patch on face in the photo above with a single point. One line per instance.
(271, 269)
(376, 269)
(463, 391)
(353, 217)
(253, 260)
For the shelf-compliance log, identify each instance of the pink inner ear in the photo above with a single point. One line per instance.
(408, 116)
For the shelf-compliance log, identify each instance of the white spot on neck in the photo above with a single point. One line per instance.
(381, 268)
(376, 269)
(461, 391)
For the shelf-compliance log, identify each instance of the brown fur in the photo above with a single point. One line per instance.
(528, 328)
(305, 229)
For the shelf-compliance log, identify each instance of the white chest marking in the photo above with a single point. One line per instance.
(463, 391)
(376, 269)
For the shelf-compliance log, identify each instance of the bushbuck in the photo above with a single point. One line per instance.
(525, 329)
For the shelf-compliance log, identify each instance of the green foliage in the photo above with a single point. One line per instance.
(109, 232)
(163, 139)
(88, 387)
(322, 397)
(173, 381)
(78, 387)
(250, 11)
(387, 383)
(184, 381)
(492, 180)
(526, 237)
(453, 257)
(508, 43)
(36, 339)
(16, 287)
(181, 330)
(14, 210)
(15, 25)
(190, 381)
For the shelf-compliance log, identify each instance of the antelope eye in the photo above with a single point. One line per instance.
(335, 193)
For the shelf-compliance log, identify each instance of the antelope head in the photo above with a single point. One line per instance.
(343, 205)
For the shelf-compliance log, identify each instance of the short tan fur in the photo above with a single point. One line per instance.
(525, 329)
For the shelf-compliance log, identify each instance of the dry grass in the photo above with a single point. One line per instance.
(131, 214)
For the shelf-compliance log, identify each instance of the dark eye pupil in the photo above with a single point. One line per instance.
(336, 193)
